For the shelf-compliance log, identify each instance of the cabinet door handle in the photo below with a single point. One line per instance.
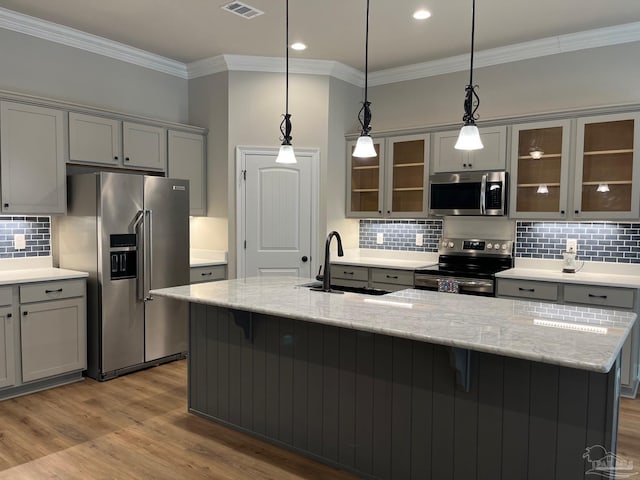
(206, 274)
(6, 205)
(58, 290)
(9, 315)
(591, 295)
(24, 314)
(116, 157)
(392, 276)
(531, 290)
(126, 159)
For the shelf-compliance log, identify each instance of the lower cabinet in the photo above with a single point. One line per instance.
(371, 277)
(211, 273)
(49, 340)
(7, 339)
(590, 296)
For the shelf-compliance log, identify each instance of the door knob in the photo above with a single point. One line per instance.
(305, 258)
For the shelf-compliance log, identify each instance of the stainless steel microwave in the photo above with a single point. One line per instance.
(468, 193)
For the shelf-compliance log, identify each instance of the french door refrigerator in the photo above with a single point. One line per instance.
(131, 234)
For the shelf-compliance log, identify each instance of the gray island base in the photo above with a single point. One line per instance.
(392, 406)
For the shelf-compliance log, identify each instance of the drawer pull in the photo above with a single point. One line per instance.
(25, 313)
(392, 276)
(206, 274)
(349, 273)
(57, 290)
(591, 295)
(531, 290)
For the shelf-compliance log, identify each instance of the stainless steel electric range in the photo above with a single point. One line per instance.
(466, 265)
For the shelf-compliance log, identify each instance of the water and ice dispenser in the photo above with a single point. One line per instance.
(123, 256)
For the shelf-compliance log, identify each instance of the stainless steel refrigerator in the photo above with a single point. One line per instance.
(131, 234)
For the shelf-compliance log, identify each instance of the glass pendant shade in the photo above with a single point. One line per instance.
(536, 153)
(469, 139)
(364, 147)
(542, 188)
(286, 155)
(603, 188)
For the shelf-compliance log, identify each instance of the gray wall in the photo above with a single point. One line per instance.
(586, 78)
(38, 67)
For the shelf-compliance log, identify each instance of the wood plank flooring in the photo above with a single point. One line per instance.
(137, 427)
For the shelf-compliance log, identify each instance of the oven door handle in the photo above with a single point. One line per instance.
(473, 283)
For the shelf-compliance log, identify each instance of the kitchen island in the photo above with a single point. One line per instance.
(414, 384)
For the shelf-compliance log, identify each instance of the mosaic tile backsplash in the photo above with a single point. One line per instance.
(597, 241)
(37, 233)
(401, 234)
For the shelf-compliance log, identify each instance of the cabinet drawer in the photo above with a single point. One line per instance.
(38, 292)
(349, 272)
(6, 296)
(343, 282)
(528, 289)
(396, 277)
(208, 274)
(599, 296)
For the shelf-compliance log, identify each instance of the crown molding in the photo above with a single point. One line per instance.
(71, 37)
(248, 63)
(45, 30)
(600, 37)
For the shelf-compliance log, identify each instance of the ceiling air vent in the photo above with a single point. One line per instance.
(242, 9)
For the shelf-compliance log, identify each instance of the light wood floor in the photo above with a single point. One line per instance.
(137, 427)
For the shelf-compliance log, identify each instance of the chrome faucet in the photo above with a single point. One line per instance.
(326, 279)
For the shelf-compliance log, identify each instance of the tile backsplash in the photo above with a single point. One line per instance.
(37, 233)
(610, 242)
(401, 234)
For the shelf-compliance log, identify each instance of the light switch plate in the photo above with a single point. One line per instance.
(379, 238)
(419, 240)
(19, 242)
(572, 245)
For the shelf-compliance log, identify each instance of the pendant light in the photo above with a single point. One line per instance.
(286, 154)
(364, 145)
(469, 138)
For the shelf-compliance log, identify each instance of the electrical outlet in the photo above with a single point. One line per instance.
(19, 242)
(379, 238)
(419, 240)
(572, 245)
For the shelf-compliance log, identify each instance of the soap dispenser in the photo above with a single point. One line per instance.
(569, 261)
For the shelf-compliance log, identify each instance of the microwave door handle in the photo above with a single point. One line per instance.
(483, 193)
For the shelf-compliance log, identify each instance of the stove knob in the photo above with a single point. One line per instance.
(489, 246)
(504, 246)
(451, 244)
(444, 244)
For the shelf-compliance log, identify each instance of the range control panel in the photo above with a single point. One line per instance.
(474, 246)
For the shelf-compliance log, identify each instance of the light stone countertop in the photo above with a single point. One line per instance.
(586, 278)
(207, 258)
(27, 275)
(505, 327)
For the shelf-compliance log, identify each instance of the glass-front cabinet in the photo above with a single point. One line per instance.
(392, 184)
(540, 169)
(607, 173)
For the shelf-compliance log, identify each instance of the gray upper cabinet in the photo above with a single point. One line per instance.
(144, 146)
(492, 157)
(33, 152)
(187, 160)
(95, 140)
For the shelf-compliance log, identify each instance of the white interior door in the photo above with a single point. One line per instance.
(278, 215)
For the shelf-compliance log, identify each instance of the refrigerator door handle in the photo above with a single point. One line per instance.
(150, 253)
(138, 229)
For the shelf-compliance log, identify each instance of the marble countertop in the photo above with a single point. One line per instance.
(386, 259)
(207, 258)
(586, 278)
(577, 337)
(27, 275)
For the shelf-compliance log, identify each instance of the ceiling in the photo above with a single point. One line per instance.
(190, 30)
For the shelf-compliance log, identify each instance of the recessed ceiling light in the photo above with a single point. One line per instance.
(421, 14)
(298, 46)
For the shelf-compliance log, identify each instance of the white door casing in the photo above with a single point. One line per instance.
(277, 212)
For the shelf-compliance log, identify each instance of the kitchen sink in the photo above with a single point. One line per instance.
(340, 288)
